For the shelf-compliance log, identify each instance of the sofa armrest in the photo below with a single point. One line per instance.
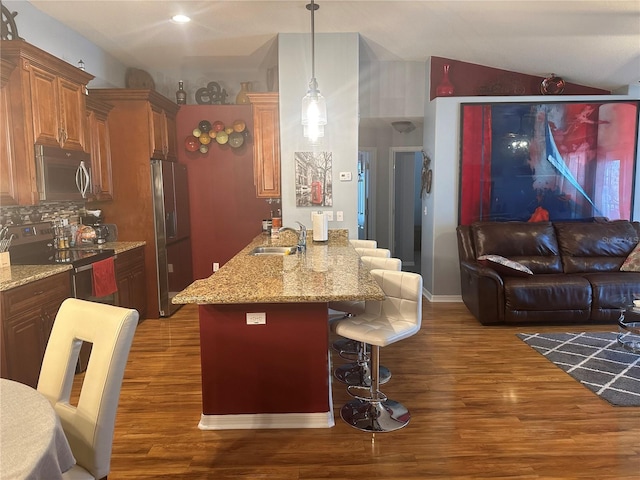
(482, 292)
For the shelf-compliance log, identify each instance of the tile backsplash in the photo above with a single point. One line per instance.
(46, 212)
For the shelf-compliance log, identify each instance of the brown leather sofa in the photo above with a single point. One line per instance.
(576, 271)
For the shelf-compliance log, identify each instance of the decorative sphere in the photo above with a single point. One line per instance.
(204, 125)
(191, 143)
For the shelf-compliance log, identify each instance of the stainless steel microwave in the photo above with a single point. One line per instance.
(62, 175)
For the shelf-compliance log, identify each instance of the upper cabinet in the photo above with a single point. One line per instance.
(157, 112)
(99, 143)
(58, 107)
(45, 102)
(164, 133)
(266, 144)
(8, 187)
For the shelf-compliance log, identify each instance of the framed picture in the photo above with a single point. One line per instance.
(313, 177)
(547, 161)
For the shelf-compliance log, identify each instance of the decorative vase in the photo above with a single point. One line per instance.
(181, 95)
(445, 87)
(242, 98)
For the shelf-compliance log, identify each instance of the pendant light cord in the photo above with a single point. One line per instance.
(313, 7)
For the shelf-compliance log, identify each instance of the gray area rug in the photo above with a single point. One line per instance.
(595, 360)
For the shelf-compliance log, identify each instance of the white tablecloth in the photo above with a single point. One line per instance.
(32, 442)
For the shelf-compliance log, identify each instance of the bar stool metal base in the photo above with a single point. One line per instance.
(379, 416)
(355, 374)
(346, 348)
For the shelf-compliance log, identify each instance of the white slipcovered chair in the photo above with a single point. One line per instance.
(88, 426)
(397, 317)
(356, 243)
(373, 252)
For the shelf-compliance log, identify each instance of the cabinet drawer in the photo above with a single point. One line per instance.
(19, 299)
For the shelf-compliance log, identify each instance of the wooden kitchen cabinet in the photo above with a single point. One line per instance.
(8, 187)
(130, 278)
(99, 144)
(164, 134)
(58, 107)
(266, 144)
(132, 132)
(45, 101)
(28, 313)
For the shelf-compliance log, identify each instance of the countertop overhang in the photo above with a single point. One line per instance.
(327, 271)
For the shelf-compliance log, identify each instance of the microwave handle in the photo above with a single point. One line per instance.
(83, 179)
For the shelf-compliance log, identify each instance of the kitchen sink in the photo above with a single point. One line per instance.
(273, 251)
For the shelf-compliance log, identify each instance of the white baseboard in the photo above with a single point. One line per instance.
(441, 298)
(266, 420)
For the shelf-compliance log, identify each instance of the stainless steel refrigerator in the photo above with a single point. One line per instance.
(172, 231)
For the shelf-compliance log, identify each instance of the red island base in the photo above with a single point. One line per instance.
(271, 375)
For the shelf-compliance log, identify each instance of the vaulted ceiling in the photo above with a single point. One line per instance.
(589, 42)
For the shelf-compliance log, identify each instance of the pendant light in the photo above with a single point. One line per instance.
(314, 107)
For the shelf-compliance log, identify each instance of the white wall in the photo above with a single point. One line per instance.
(57, 39)
(336, 68)
(440, 268)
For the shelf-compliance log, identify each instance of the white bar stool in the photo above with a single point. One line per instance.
(397, 317)
(358, 372)
(363, 243)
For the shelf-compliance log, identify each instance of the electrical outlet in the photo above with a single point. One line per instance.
(257, 318)
(339, 216)
(216, 266)
(170, 267)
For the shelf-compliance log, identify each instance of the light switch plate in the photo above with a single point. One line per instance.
(339, 216)
(256, 318)
(329, 214)
(345, 176)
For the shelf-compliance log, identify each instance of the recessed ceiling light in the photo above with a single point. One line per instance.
(180, 19)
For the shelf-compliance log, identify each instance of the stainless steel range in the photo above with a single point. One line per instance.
(33, 244)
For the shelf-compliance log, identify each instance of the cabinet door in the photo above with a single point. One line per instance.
(8, 176)
(23, 337)
(131, 280)
(47, 129)
(100, 149)
(72, 113)
(159, 148)
(266, 144)
(171, 141)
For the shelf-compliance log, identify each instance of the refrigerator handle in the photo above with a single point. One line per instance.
(171, 224)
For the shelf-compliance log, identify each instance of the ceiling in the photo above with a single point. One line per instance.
(589, 42)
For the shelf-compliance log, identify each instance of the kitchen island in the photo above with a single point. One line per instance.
(264, 336)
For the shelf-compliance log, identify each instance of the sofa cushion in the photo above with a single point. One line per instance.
(533, 245)
(547, 292)
(614, 290)
(504, 266)
(632, 262)
(595, 247)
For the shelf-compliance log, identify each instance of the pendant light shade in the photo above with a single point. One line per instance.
(314, 107)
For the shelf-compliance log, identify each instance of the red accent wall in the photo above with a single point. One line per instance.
(225, 213)
(470, 79)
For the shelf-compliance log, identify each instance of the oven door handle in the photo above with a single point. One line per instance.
(84, 268)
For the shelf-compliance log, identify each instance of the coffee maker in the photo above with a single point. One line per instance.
(102, 233)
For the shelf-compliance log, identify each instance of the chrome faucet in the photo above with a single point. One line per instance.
(302, 235)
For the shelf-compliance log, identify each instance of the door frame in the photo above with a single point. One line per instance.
(370, 221)
(392, 189)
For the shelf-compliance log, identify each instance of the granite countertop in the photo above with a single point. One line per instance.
(328, 271)
(17, 275)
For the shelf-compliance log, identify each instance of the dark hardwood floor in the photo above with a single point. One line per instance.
(483, 404)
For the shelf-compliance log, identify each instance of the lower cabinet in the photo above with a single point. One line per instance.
(131, 280)
(28, 313)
